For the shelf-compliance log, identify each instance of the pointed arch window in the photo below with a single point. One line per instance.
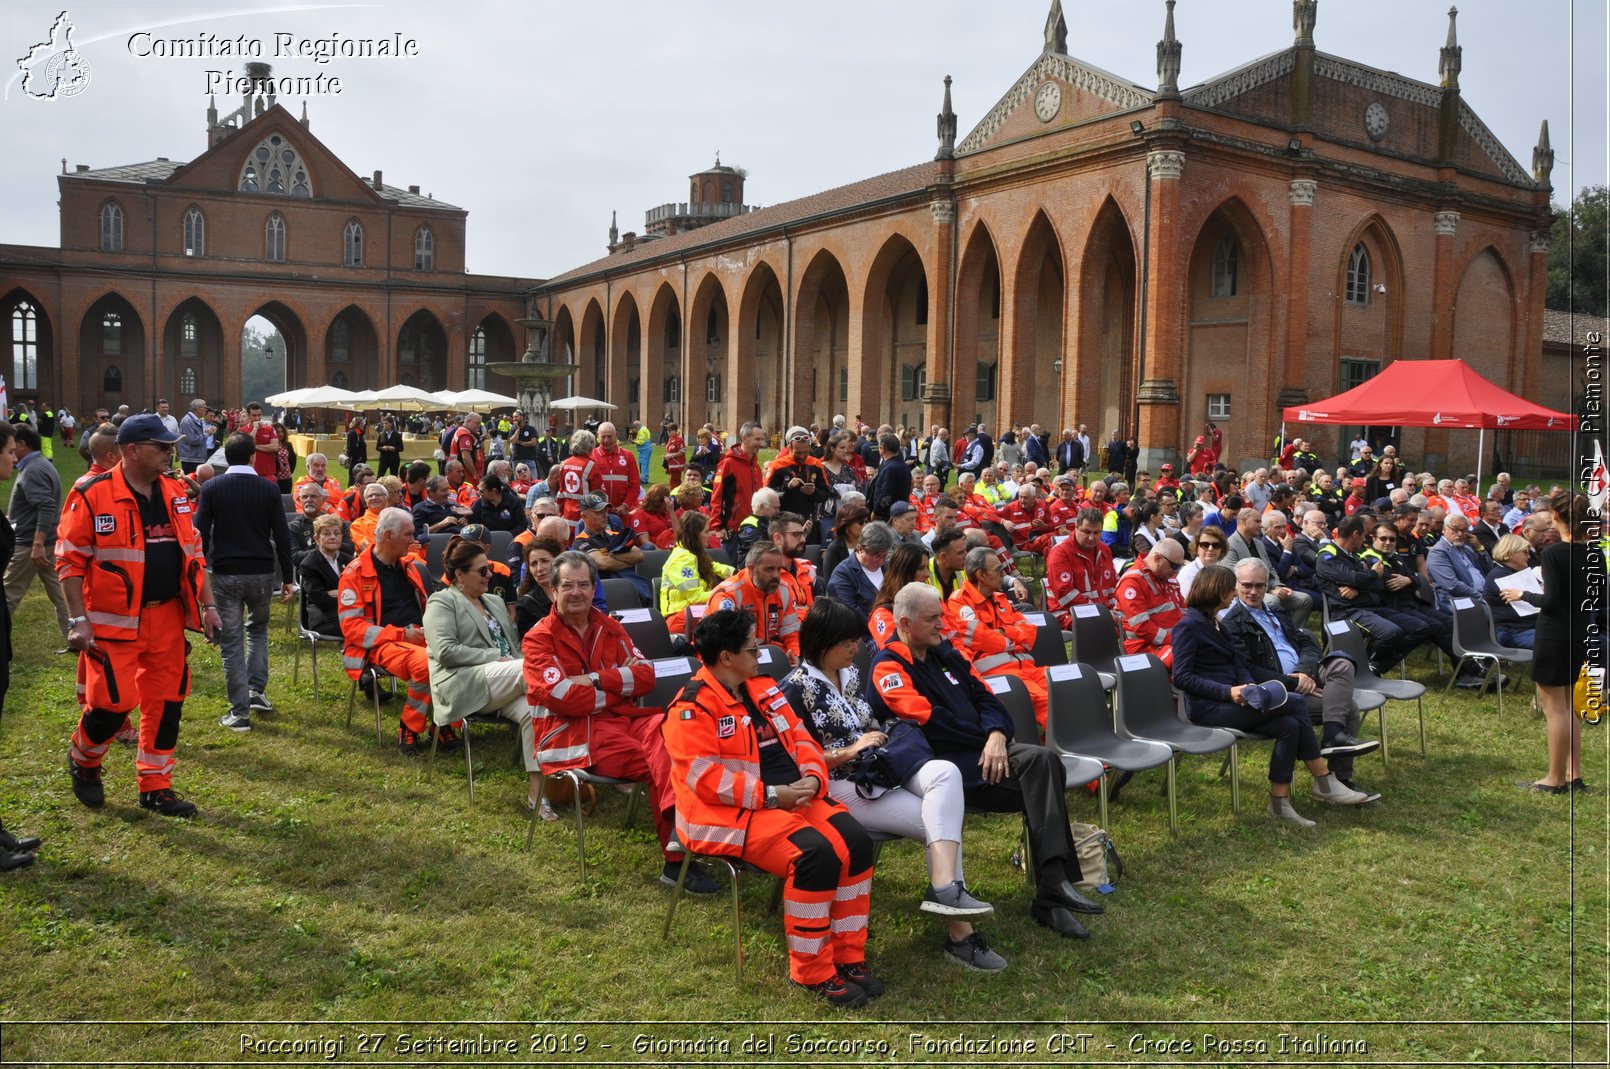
(274, 238)
(111, 334)
(1226, 259)
(673, 331)
(111, 227)
(352, 244)
(195, 233)
(187, 381)
(844, 385)
(712, 328)
(339, 380)
(275, 166)
(339, 338)
(477, 361)
(24, 347)
(922, 301)
(188, 329)
(633, 389)
(1358, 275)
(424, 249)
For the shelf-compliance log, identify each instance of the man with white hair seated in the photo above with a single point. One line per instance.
(1000, 642)
(375, 497)
(763, 505)
(317, 474)
(1148, 602)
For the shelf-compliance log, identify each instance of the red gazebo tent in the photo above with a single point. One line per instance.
(1432, 393)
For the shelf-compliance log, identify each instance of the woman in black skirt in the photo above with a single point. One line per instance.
(1573, 582)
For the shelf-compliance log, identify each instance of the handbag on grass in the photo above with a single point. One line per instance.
(885, 767)
(1587, 695)
(1099, 864)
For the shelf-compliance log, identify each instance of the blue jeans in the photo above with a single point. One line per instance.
(244, 604)
(1519, 638)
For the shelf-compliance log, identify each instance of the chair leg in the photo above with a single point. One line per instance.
(737, 917)
(352, 696)
(676, 895)
(775, 903)
(1101, 795)
(1030, 862)
(581, 830)
(430, 762)
(532, 811)
(313, 656)
(380, 736)
(631, 804)
(1421, 702)
(1454, 675)
(1173, 796)
(469, 766)
(1235, 780)
(296, 663)
(1386, 754)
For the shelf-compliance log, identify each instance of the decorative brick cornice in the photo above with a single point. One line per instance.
(1445, 224)
(1302, 192)
(1159, 392)
(1392, 85)
(944, 212)
(1241, 80)
(1495, 150)
(1538, 244)
(1166, 163)
(1092, 80)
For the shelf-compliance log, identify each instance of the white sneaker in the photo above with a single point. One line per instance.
(1280, 809)
(1328, 788)
(235, 722)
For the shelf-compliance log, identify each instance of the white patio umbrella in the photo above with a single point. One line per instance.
(404, 399)
(288, 399)
(324, 397)
(572, 403)
(354, 401)
(479, 400)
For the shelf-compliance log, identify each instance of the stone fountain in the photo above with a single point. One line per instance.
(533, 373)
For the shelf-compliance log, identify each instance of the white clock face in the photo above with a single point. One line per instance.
(1375, 121)
(1048, 101)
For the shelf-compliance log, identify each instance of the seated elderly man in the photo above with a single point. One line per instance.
(1267, 536)
(994, 635)
(1148, 602)
(1080, 570)
(1279, 651)
(439, 513)
(310, 506)
(381, 607)
(317, 474)
(857, 578)
(375, 500)
(760, 591)
(1454, 564)
(609, 544)
(751, 782)
(582, 673)
(922, 678)
(1029, 520)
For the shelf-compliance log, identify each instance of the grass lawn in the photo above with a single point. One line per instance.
(332, 881)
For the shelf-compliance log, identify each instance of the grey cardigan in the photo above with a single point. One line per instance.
(458, 642)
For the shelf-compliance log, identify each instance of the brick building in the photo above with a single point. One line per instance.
(162, 263)
(1135, 258)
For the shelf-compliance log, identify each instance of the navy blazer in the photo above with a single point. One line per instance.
(849, 584)
(1206, 662)
(1246, 632)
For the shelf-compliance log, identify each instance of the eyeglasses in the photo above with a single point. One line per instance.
(1217, 547)
(484, 571)
(1252, 586)
(1386, 541)
(752, 650)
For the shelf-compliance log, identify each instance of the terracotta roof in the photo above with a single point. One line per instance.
(160, 170)
(1571, 330)
(840, 199)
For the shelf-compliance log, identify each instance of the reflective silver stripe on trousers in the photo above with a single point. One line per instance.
(113, 620)
(849, 924)
(712, 833)
(845, 892)
(164, 762)
(994, 661)
(800, 945)
(563, 753)
(352, 664)
(807, 911)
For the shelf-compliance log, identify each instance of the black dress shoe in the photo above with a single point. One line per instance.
(1064, 893)
(10, 861)
(31, 843)
(1545, 788)
(1055, 917)
(1575, 785)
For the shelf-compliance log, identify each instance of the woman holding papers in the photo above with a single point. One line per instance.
(1513, 593)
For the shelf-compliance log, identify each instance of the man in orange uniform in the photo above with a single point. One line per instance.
(132, 570)
(1026, 517)
(617, 468)
(758, 589)
(363, 528)
(578, 476)
(582, 673)
(981, 623)
(924, 501)
(1149, 602)
(318, 466)
(787, 529)
(381, 607)
(1079, 570)
(751, 783)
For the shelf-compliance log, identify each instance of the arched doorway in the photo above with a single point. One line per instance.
(625, 359)
(29, 363)
(192, 355)
(273, 353)
(590, 380)
(352, 351)
(662, 390)
(709, 400)
(422, 353)
(491, 342)
(1105, 361)
(822, 341)
(111, 355)
(894, 337)
(1033, 389)
(760, 351)
(974, 391)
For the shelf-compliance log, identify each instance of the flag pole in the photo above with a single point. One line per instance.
(1481, 447)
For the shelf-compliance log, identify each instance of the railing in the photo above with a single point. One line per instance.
(707, 211)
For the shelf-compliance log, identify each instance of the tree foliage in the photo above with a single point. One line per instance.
(1579, 254)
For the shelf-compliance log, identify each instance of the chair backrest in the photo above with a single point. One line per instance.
(653, 563)
(1015, 696)
(1076, 708)
(647, 630)
(1343, 636)
(1144, 701)
(773, 661)
(671, 674)
(289, 501)
(1472, 627)
(502, 550)
(1048, 646)
(1423, 591)
(719, 555)
(434, 550)
(863, 660)
(814, 555)
(1095, 637)
(621, 594)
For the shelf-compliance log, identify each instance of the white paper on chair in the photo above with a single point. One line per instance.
(1038, 619)
(1463, 603)
(998, 684)
(670, 666)
(632, 616)
(1337, 627)
(1059, 672)
(1527, 581)
(1134, 662)
(1085, 612)
(763, 655)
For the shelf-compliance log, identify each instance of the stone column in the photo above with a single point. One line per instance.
(1159, 401)
(940, 344)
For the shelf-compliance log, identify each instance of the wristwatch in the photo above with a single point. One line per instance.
(771, 797)
(594, 677)
(74, 621)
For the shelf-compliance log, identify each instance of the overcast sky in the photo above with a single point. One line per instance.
(539, 118)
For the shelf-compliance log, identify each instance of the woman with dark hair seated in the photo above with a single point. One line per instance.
(825, 691)
(907, 563)
(1220, 692)
(847, 524)
(689, 575)
(534, 598)
(475, 662)
(1512, 629)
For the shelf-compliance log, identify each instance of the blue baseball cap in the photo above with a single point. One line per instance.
(146, 427)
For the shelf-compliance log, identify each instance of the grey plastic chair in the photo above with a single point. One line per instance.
(1095, 642)
(1078, 722)
(773, 662)
(621, 594)
(1473, 641)
(648, 631)
(1049, 643)
(1345, 638)
(1144, 708)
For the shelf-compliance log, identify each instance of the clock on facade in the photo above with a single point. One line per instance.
(1376, 121)
(1048, 101)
